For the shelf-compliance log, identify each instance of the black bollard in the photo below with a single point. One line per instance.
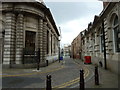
(96, 76)
(82, 80)
(48, 83)
(100, 63)
(38, 59)
(46, 62)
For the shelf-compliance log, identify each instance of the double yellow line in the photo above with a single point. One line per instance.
(25, 74)
(66, 84)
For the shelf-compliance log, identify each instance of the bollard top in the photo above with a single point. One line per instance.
(48, 76)
(96, 66)
(81, 70)
(3, 32)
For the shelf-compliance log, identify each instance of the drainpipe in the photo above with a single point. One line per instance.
(105, 65)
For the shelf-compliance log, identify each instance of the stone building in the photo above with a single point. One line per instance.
(101, 40)
(67, 50)
(76, 47)
(28, 25)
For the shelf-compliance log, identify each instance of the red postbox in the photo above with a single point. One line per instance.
(87, 60)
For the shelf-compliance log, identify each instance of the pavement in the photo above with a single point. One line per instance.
(30, 71)
(107, 79)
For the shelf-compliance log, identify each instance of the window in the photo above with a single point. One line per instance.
(116, 34)
(51, 43)
(54, 44)
(47, 42)
(30, 40)
(101, 41)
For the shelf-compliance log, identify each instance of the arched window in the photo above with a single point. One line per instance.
(116, 34)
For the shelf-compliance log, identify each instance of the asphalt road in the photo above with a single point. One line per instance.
(66, 77)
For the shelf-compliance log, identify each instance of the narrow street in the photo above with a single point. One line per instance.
(84, 36)
(67, 76)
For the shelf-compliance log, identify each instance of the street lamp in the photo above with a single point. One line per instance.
(59, 44)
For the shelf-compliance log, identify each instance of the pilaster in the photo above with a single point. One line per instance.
(19, 38)
(50, 42)
(40, 39)
(44, 40)
(53, 44)
(9, 43)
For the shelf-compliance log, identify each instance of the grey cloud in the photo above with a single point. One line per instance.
(65, 11)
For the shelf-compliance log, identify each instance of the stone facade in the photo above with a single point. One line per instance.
(28, 25)
(101, 40)
(1, 38)
(67, 50)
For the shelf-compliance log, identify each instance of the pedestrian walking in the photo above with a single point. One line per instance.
(61, 59)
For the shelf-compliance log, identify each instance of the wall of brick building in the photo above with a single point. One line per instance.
(76, 47)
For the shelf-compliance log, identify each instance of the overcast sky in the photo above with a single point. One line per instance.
(73, 17)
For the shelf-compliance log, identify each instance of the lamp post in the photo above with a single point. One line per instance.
(59, 45)
(105, 63)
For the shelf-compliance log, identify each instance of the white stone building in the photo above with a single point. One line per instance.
(93, 38)
(28, 25)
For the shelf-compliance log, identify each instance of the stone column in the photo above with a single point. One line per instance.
(44, 41)
(54, 45)
(19, 38)
(57, 45)
(9, 43)
(40, 39)
(50, 42)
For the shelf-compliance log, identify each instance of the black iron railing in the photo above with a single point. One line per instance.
(30, 56)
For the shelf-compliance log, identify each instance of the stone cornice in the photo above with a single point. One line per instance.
(104, 13)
